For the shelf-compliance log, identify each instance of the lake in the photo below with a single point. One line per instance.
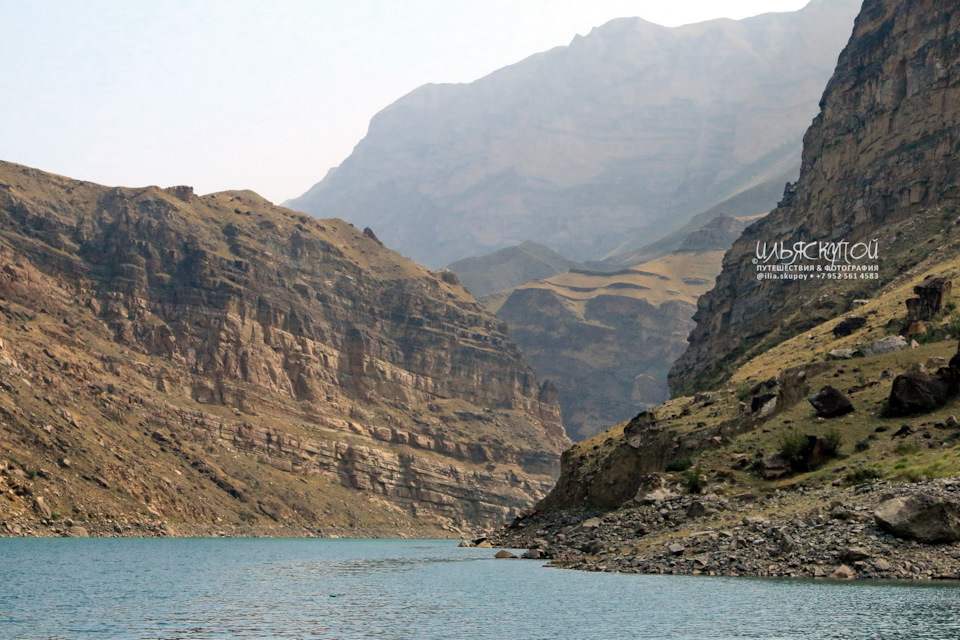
(75, 589)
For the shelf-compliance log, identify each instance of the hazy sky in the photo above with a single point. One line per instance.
(223, 94)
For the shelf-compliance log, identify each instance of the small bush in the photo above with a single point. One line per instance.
(861, 445)
(693, 480)
(906, 449)
(835, 440)
(862, 476)
(680, 464)
(793, 447)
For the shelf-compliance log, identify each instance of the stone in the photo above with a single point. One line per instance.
(854, 554)
(465, 543)
(676, 549)
(848, 325)
(843, 572)
(533, 554)
(41, 507)
(504, 554)
(922, 517)
(763, 406)
(935, 362)
(696, 510)
(654, 497)
(76, 531)
(831, 403)
(931, 295)
(592, 523)
(916, 392)
(890, 344)
(882, 565)
(484, 544)
(841, 354)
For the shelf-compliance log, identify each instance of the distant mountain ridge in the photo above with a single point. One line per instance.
(627, 132)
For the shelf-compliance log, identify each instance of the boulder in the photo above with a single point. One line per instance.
(848, 325)
(505, 554)
(676, 549)
(931, 295)
(916, 392)
(484, 544)
(843, 572)
(41, 507)
(830, 403)
(764, 405)
(890, 344)
(854, 554)
(533, 554)
(465, 543)
(592, 523)
(696, 510)
(76, 531)
(922, 517)
(841, 354)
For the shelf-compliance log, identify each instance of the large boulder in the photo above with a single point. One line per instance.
(830, 403)
(916, 392)
(931, 295)
(922, 517)
(886, 345)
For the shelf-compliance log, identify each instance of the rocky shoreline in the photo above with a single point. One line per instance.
(157, 529)
(829, 532)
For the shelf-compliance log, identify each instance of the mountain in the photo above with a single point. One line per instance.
(878, 165)
(810, 418)
(606, 340)
(510, 267)
(595, 148)
(219, 361)
(818, 436)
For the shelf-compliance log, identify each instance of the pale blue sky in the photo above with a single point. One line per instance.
(224, 94)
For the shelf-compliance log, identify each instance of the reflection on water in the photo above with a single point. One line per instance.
(77, 589)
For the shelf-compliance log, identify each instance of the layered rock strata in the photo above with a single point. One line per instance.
(207, 357)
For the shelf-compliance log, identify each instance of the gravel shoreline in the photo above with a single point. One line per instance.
(826, 532)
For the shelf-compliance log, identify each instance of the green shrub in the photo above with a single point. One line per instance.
(862, 476)
(906, 448)
(835, 440)
(693, 480)
(793, 446)
(680, 464)
(862, 445)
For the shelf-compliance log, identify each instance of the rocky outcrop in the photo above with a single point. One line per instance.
(251, 348)
(617, 139)
(877, 165)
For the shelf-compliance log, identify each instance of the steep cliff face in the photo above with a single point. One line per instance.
(203, 329)
(879, 162)
(601, 146)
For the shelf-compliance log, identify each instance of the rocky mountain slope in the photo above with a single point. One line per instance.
(607, 340)
(761, 477)
(879, 163)
(820, 437)
(599, 147)
(216, 360)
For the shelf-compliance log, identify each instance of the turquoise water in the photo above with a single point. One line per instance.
(75, 589)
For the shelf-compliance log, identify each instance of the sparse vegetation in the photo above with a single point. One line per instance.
(693, 480)
(680, 464)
